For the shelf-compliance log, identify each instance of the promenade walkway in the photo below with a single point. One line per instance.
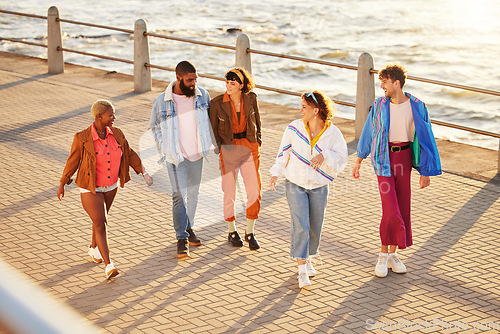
(453, 278)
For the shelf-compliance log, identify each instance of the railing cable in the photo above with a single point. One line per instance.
(449, 84)
(128, 31)
(23, 14)
(23, 42)
(95, 55)
(221, 46)
(307, 60)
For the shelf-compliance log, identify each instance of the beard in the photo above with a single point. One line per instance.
(185, 89)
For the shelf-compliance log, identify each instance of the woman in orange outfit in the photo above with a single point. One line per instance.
(236, 124)
(102, 156)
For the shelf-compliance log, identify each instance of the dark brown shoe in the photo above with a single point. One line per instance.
(182, 248)
(234, 239)
(252, 241)
(192, 238)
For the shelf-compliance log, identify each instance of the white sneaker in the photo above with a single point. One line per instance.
(95, 255)
(381, 267)
(310, 269)
(111, 271)
(395, 264)
(304, 280)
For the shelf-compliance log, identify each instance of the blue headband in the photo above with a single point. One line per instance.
(311, 94)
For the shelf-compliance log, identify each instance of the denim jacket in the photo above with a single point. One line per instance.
(375, 138)
(164, 125)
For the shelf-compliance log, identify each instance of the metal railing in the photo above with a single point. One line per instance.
(142, 65)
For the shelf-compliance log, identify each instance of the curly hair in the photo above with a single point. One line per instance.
(319, 100)
(100, 106)
(234, 75)
(393, 72)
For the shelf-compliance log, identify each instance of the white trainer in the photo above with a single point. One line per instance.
(310, 269)
(111, 271)
(395, 264)
(304, 280)
(94, 254)
(381, 267)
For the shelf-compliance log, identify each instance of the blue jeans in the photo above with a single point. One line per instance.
(307, 209)
(185, 180)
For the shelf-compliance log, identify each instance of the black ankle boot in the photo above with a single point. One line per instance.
(252, 241)
(234, 239)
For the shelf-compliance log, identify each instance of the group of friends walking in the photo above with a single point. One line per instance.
(186, 125)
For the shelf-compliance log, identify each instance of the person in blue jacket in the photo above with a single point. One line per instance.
(183, 135)
(398, 135)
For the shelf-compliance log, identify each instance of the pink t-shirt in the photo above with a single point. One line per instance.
(108, 155)
(188, 130)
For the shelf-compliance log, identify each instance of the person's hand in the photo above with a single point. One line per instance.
(424, 181)
(355, 171)
(317, 161)
(272, 183)
(148, 179)
(60, 191)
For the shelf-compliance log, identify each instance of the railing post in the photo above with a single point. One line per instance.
(54, 40)
(243, 57)
(142, 74)
(365, 94)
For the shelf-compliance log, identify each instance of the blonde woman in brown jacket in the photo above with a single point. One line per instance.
(102, 155)
(235, 121)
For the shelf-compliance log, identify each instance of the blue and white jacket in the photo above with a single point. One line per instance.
(296, 152)
(164, 125)
(375, 138)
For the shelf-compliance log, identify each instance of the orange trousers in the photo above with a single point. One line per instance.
(242, 157)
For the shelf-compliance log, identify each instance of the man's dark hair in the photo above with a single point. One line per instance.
(184, 67)
(393, 72)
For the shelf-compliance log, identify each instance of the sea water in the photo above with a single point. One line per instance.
(446, 40)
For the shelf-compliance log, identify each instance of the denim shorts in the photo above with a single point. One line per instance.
(100, 189)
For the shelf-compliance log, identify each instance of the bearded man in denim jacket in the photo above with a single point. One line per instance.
(398, 135)
(181, 128)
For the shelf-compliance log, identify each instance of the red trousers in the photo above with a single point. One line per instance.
(395, 193)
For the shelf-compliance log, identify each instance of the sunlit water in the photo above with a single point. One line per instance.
(446, 40)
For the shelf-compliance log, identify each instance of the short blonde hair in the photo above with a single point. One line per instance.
(99, 107)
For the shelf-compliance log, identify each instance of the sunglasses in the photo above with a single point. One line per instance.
(311, 94)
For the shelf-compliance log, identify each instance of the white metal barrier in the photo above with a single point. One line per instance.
(25, 308)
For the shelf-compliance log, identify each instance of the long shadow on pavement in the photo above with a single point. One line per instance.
(25, 80)
(15, 134)
(214, 271)
(387, 291)
(281, 299)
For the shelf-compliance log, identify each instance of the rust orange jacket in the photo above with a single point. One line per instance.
(82, 157)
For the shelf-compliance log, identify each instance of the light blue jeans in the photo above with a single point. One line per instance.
(307, 209)
(185, 180)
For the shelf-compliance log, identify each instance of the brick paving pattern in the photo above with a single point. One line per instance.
(453, 267)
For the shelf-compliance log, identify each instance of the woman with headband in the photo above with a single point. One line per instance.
(235, 121)
(312, 152)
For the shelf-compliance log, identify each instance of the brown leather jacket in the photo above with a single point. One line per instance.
(222, 122)
(82, 157)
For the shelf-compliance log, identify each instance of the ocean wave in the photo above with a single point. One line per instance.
(342, 55)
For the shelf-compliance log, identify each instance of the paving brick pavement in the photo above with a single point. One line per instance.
(453, 267)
